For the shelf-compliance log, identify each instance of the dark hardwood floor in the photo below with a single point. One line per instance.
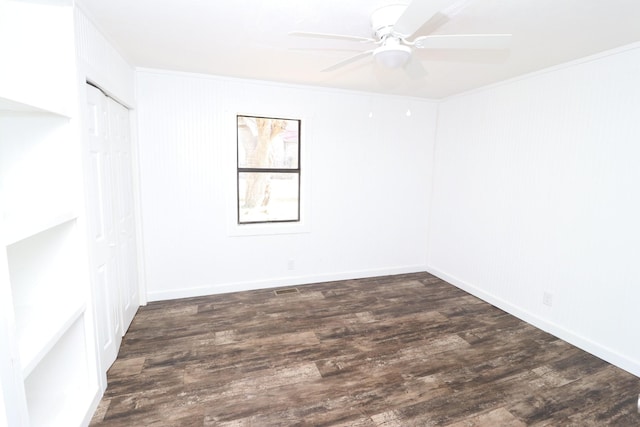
(406, 350)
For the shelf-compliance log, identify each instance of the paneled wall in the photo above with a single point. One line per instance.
(367, 194)
(100, 62)
(536, 204)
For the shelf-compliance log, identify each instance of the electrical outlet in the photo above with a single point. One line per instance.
(291, 264)
(547, 299)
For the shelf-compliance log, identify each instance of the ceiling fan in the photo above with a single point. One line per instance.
(394, 25)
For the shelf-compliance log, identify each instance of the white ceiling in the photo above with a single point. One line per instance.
(249, 39)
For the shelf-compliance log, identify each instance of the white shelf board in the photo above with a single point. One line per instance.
(16, 232)
(64, 409)
(11, 106)
(58, 390)
(40, 329)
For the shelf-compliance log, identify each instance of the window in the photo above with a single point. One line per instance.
(268, 170)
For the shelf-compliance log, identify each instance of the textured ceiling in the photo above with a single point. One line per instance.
(249, 39)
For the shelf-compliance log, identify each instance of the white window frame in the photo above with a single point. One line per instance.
(231, 161)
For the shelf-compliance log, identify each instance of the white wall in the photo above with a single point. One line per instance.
(536, 190)
(36, 38)
(368, 207)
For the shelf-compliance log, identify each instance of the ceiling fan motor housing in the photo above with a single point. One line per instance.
(392, 53)
(383, 19)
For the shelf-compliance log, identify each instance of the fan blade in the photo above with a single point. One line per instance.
(442, 17)
(414, 69)
(463, 41)
(465, 56)
(332, 36)
(417, 14)
(349, 60)
(321, 49)
(436, 21)
(455, 8)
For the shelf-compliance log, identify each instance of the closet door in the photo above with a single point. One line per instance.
(120, 142)
(102, 231)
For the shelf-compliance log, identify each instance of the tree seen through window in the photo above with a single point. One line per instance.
(268, 169)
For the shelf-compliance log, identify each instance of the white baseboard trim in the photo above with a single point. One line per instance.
(594, 348)
(95, 401)
(277, 282)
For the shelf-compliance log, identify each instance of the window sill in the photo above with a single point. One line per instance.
(268, 229)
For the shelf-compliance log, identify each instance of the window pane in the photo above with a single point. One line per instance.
(268, 143)
(267, 196)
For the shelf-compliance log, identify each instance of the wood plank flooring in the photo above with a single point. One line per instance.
(407, 350)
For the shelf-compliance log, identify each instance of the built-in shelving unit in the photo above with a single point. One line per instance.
(3, 411)
(58, 390)
(35, 188)
(43, 249)
(41, 170)
(42, 270)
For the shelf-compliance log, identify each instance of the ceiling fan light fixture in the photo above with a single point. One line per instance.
(394, 56)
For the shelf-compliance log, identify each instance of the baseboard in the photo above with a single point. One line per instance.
(594, 348)
(95, 401)
(277, 282)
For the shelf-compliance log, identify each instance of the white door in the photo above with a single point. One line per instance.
(120, 142)
(102, 230)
